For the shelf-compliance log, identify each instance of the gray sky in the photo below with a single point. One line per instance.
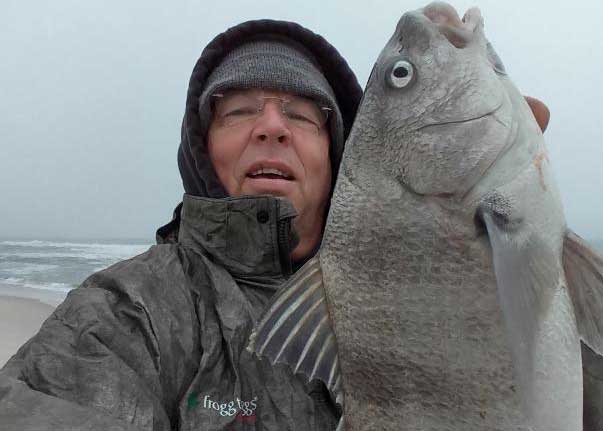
(92, 94)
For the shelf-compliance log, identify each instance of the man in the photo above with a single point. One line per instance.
(158, 342)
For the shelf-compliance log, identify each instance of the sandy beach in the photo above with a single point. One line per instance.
(20, 319)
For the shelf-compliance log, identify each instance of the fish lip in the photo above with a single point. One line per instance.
(274, 164)
(466, 120)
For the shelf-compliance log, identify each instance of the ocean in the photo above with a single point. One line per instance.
(48, 269)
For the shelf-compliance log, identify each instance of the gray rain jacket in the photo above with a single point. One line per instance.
(158, 342)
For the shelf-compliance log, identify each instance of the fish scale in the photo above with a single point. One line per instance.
(435, 300)
(458, 298)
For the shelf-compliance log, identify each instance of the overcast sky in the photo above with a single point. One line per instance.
(92, 95)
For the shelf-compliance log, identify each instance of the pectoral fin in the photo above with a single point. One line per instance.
(540, 326)
(524, 272)
(295, 329)
(584, 274)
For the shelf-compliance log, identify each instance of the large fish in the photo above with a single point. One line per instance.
(439, 299)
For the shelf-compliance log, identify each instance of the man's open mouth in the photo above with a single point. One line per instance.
(270, 173)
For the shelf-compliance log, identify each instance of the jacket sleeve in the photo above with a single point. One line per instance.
(592, 376)
(116, 354)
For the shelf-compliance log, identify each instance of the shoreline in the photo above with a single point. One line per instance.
(20, 319)
(48, 297)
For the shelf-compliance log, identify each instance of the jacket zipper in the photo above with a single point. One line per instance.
(283, 228)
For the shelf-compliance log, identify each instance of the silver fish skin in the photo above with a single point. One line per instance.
(441, 273)
(442, 254)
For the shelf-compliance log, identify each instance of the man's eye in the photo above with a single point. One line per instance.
(295, 116)
(239, 112)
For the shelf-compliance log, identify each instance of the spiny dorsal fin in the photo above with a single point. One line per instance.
(295, 329)
(583, 269)
(584, 275)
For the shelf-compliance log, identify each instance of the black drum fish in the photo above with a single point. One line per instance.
(448, 293)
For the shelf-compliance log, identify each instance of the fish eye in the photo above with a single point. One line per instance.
(401, 74)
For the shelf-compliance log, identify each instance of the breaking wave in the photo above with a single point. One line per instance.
(58, 266)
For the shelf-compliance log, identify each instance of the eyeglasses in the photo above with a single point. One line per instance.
(240, 106)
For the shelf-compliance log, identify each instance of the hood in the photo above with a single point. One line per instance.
(198, 176)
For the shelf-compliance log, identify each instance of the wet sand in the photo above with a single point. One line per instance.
(20, 319)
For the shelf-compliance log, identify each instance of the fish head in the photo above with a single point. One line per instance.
(437, 101)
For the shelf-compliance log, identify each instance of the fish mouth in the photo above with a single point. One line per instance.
(459, 32)
(463, 121)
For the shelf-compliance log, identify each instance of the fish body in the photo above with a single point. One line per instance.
(420, 332)
(422, 326)
(442, 261)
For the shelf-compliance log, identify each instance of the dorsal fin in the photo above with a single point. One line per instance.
(295, 329)
(583, 269)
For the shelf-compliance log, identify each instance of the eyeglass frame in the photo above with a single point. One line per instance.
(323, 109)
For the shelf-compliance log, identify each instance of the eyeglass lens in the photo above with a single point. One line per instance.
(237, 107)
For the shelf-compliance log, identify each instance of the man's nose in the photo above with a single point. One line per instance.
(271, 125)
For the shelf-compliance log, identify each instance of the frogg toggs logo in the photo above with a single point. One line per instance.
(245, 410)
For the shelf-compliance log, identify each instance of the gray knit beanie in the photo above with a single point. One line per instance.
(274, 63)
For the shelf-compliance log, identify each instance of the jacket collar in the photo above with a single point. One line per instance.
(249, 235)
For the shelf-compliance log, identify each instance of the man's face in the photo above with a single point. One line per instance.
(271, 153)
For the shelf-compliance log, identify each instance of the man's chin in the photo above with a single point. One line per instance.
(262, 186)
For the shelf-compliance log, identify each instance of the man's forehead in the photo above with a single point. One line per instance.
(262, 92)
